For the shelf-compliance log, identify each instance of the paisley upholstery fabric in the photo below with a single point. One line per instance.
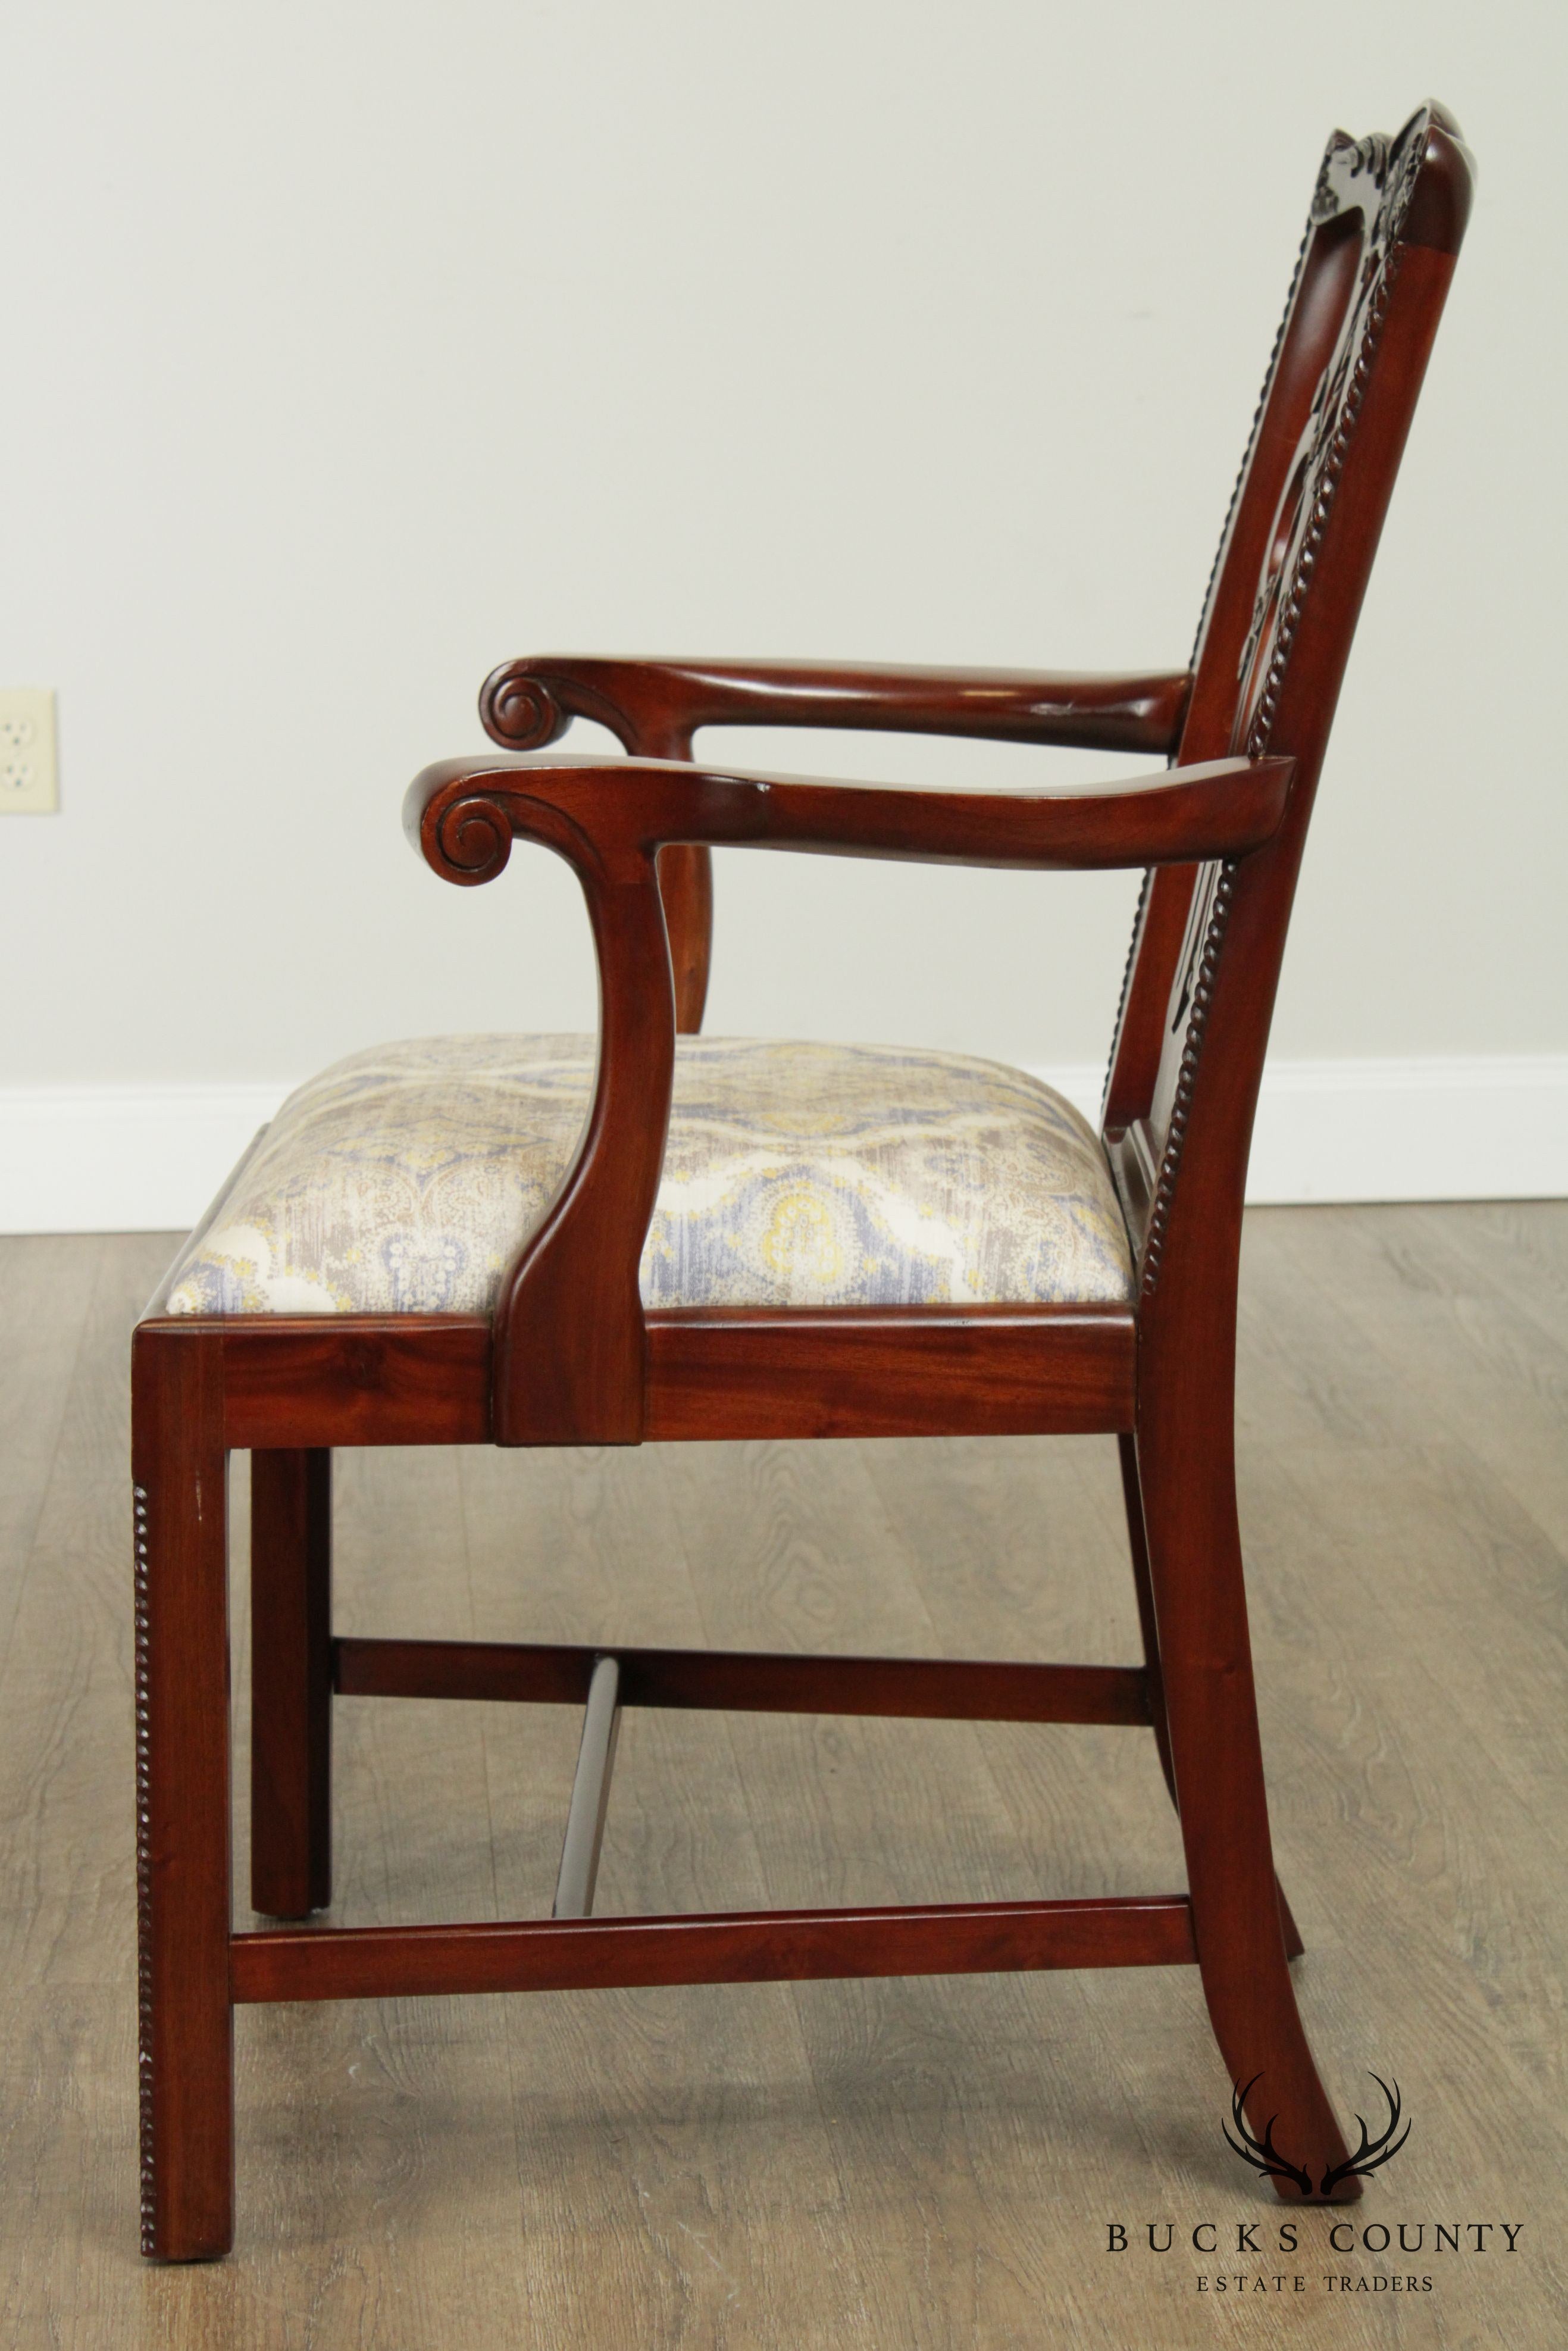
(402, 1181)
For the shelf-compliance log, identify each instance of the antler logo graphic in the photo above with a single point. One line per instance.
(1266, 2158)
(1373, 2152)
(1262, 2153)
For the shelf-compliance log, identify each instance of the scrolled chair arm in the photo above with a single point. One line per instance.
(469, 839)
(459, 812)
(656, 707)
(569, 1350)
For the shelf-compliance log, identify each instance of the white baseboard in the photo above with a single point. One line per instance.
(98, 1159)
(1477, 1127)
(120, 1159)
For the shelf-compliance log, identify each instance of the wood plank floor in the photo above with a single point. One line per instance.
(930, 2164)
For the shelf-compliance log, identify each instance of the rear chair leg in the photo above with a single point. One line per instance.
(291, 1682)
(1138, 1542)
(1188, 1508)
(180, 1471)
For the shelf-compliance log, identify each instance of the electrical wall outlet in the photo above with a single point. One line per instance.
(28, 779)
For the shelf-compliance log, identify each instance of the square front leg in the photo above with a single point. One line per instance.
(180, 1469)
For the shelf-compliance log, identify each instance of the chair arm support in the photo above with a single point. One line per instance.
(571, 1344)
(614, 815)
(656, 706)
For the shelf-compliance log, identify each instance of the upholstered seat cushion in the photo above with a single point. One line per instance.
(404, 1180)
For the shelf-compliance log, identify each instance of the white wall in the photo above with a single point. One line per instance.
(356, 347)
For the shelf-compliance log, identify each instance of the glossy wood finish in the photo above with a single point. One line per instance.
(298, 1381)
(685, 886)
(605, 816)
(1324, 536)
(842, 1372)
(573, 1359)
(925, 1690)
(850, 1371)
(291, 1682)
(525, 705)
(1301, 405)
(656, 708)
(1153, 1680)
(179, 1472)
(748, 1947)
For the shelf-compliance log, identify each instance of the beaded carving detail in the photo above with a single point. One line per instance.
(144, 1873)
(1392, 170)
(1192, 1048)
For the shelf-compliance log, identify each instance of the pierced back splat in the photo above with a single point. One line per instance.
(1281, 575)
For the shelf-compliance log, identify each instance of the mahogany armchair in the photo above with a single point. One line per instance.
(634, 1245)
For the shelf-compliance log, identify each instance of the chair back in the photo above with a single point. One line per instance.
(1385, 224)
